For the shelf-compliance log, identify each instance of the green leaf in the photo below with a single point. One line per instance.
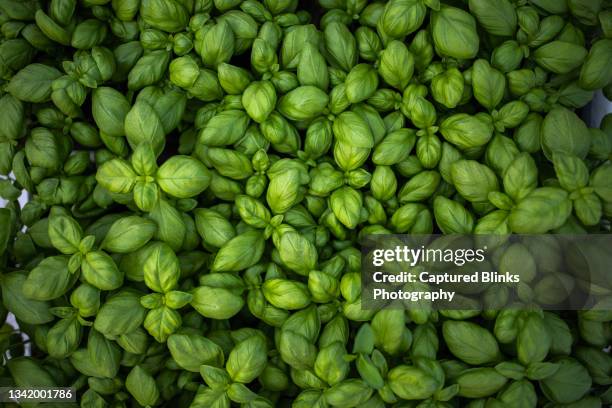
(117, 176)
(240, 252)
(396, 65)
(572, 172)
(303, 103)
(542, 210)
(33, 83)
(488, 84)
(465, 131)
(248, 359)
(470, 342)
(473, 180)
(411, 383)
(568, 384)
(128, 234)
(183, 176)
(297, 253)
(171, 227)
(454, 33)
(161, 268)
(120, 314)
(216, 303)
(100, 270)
(142, 386)
(497, 17)
(161, 322)
(560, 57)
(25, 309)
(259, 100)
(480, 382)
(346, 204)
(49, 280)
(214, 228)
(142, 125)
(286, 294)
(452, 217)
(191, 350)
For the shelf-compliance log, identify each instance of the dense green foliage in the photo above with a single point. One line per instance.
(201, 172)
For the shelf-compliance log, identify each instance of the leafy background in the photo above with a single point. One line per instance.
(592, 114)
